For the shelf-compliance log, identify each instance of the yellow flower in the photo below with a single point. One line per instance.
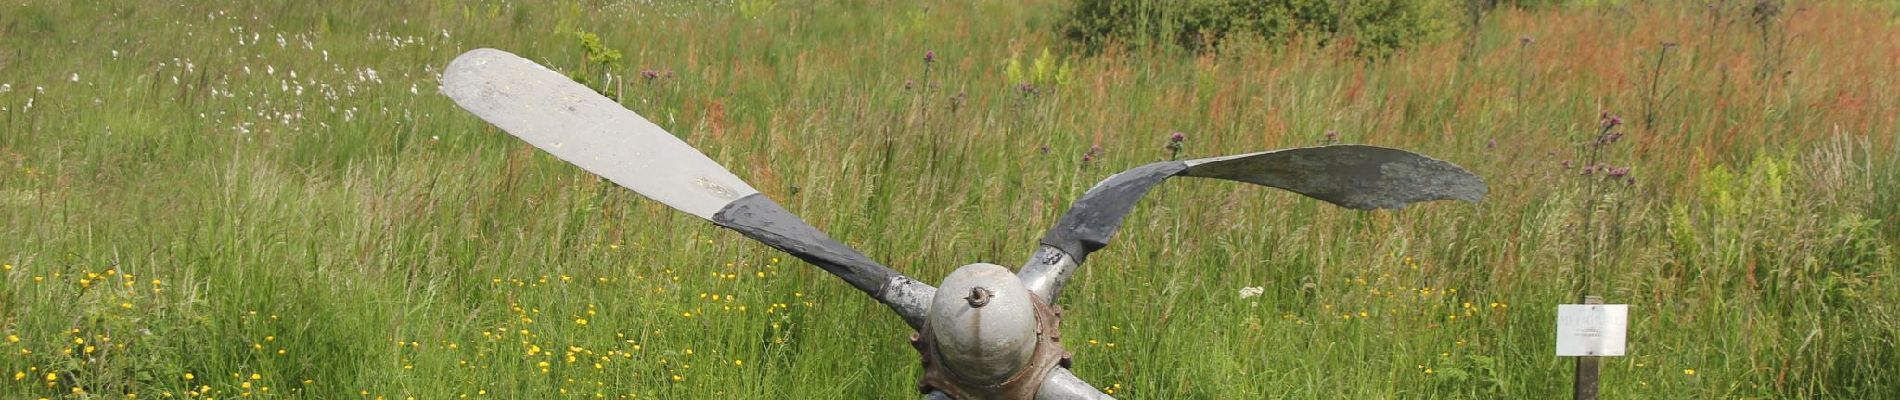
(50, 377)
(189, 376)
(738, 363)
(1689, 371)
(19, 375)
(254, 376)
(13, 338)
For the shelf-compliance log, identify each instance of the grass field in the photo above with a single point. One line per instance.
(271, 199)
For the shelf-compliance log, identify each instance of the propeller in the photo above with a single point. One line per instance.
(1358, 177)
(577, 125)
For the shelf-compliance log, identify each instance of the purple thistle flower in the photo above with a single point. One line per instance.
(650, 74)
(1026, 88)
(1493, 144)
(1332, 136)
(1174, 144)
(909, 84)
(1525, 40)
(930, 56)
(1566, 164)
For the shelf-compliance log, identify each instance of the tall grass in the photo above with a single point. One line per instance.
(183, 216)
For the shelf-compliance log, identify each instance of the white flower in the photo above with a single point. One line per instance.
(1251, 291)
(6, 87)
(75, 77)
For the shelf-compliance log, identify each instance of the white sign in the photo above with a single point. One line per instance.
(1592, 329)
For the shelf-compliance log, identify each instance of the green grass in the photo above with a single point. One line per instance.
(185, 207)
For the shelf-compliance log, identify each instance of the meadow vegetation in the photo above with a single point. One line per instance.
(226, 199)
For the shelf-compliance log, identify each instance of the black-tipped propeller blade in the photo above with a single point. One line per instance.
(577, 125)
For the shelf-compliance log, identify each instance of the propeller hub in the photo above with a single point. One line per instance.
(984, 323)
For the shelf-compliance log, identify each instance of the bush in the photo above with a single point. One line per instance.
(1377, 27)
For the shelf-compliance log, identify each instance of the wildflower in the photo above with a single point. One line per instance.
(930, 57)
(75, 77)
(1688, 371)
(909, 84)
(189, 376)
(1174, 144)
(1251, 291)
(1525, 40)
(1332, 136)
(13, 338)
(50, 377)
(650, 74)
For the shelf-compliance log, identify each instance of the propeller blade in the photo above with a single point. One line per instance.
(597, 134)
(1352, 176)
(1061, 384)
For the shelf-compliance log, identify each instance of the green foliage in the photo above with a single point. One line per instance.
(1046, 70)
(1376, 27)
(598, 57)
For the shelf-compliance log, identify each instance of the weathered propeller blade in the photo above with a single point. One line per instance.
(1061, 384)
(577, 125)
(1353, 176)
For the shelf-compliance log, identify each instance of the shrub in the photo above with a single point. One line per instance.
(1377, 27)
